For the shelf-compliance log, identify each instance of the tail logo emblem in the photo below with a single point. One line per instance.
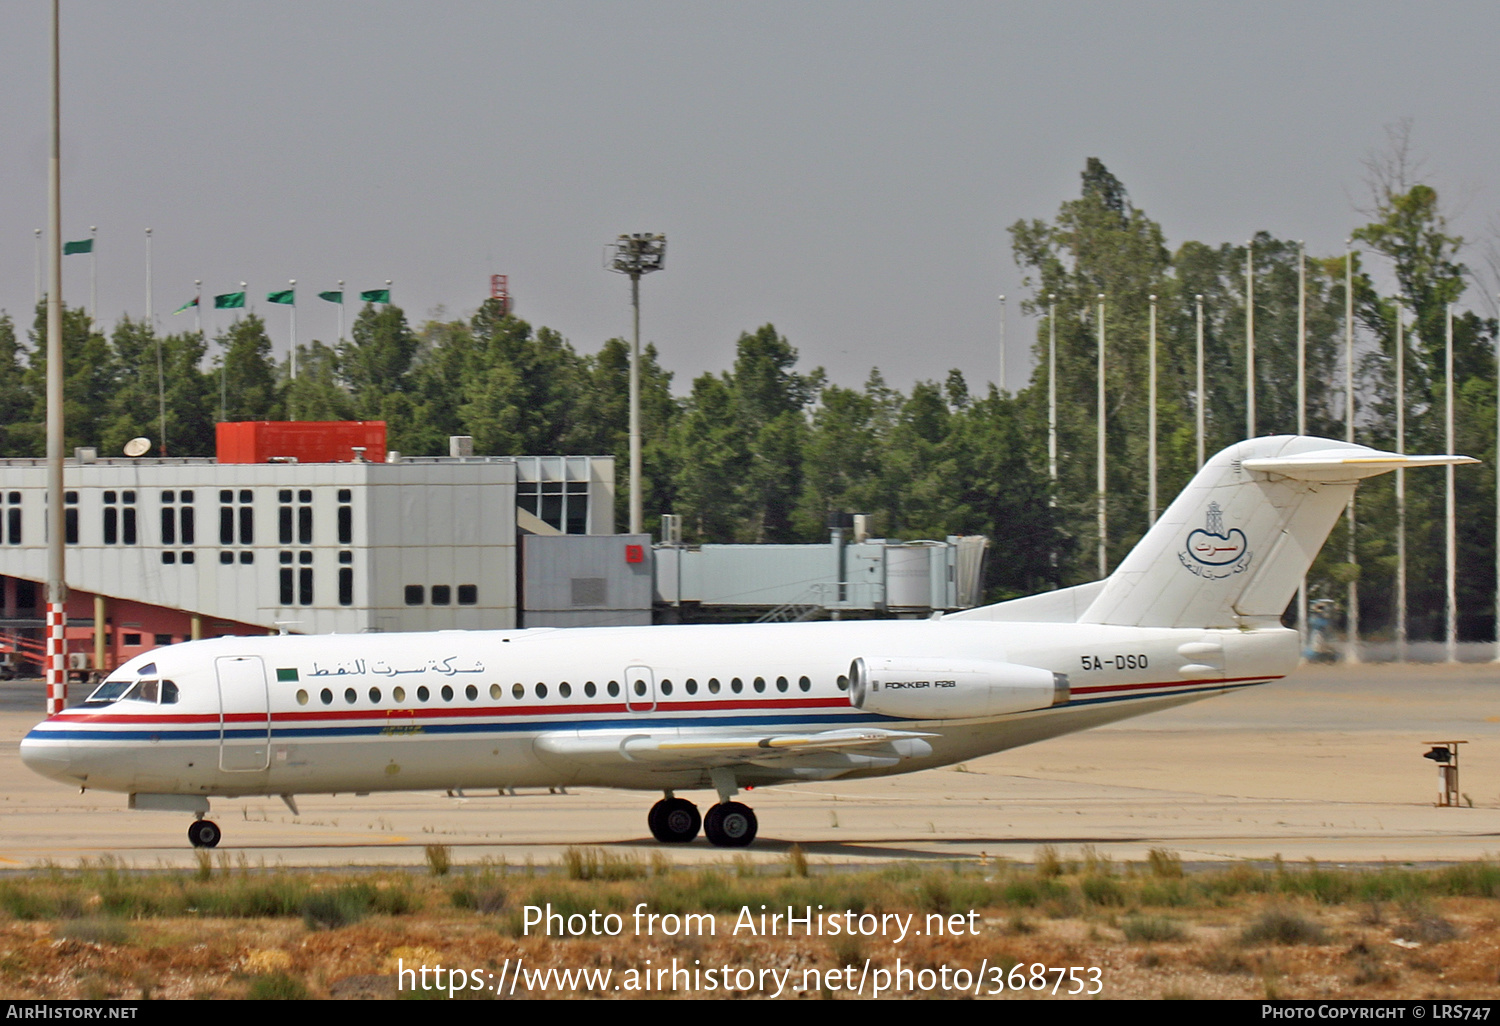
(1213, 552)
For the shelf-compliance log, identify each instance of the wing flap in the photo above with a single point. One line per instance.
(823, 749)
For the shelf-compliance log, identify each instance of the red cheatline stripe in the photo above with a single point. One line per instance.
(1173, 684)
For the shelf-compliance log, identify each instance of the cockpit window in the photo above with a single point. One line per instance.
(109, 691)
(164, 692)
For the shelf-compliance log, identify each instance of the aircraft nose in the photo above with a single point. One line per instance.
(49, 756)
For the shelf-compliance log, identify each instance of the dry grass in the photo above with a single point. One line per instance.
(106, 931)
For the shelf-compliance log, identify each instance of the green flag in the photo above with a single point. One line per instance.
(287, 297)
(376, 296)
(187, 306)
(332, 297)
(229, 301)
(83, 246)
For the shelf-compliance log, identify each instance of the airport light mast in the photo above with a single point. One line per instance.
(57, 588)
(636, 255)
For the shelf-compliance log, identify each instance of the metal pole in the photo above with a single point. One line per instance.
(57, 588)
(1351, 551)
(1450, 605)
(1002, 342)
(636, 519)
(1100, 455)
(93, 276)
(161, 378)
(1401, 633)
(38, 235)
(1302, 409)
(292, 284)
(1052, 389)
(150, 315)
(1497, 505)
(1151, 401)
(341, 309)
(1202, 399)
(198, 307)
(1250, 338)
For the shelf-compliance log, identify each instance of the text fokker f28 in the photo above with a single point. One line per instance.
(1194, 610)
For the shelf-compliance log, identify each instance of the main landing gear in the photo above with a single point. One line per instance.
(204, 833)
(676, 821)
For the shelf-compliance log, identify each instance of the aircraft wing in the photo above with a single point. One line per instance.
(820, 750)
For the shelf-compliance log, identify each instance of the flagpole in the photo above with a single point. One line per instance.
(1450, 605)
(1250, 338)
(1002, 342)
(1151, 401)
(38, 233)
(1198, 300)
(161, 380)
(1099, 467)
(292, 284)
(57, 588)
(1351, 550)
(198, 306)
(1052, 392)
(93, 277)
(1302, 411)
(341, 309)
(1401, 634)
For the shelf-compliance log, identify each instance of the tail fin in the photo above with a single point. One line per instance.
(1232, 548)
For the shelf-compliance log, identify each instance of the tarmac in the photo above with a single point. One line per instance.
(1325, 765)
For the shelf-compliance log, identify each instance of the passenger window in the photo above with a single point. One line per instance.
(781, 684)
(471, 692)
(736, 685)
(614, 689)
(399, 694)
(565, 689)
(519, 692)
(327, 696)
(495, 692)
(713, 685)
(447, 693)
(692, 686)
(301, 696)
(541, 691)
(350, 695)
(666, 687)
(804, 684)
(375, 696)
(760, 684)
(589, 689)
(423, 694)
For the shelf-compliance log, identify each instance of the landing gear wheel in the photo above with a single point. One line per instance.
(730, 825)
(204, 833)
(674, 821)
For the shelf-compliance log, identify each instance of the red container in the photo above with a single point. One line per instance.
(303, 441)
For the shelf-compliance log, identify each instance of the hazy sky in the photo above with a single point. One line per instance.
(846, 171)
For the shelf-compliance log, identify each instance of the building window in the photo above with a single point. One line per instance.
(441, 594)
(13, 518)
(131, 640)
(346, 586)
(346, 517)
(70, 518)
(415, 594)
(468, 594)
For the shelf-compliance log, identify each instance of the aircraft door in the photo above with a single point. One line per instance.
(244, 714)
(640, 689)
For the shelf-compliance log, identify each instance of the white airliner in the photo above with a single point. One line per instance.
(1194, 610)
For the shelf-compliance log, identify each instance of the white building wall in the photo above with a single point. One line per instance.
(446, 527)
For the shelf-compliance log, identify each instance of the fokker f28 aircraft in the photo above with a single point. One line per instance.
(1194, 610)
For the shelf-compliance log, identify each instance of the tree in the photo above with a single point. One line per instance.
(250, 384)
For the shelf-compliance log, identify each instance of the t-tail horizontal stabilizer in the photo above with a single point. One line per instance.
(1232, 548)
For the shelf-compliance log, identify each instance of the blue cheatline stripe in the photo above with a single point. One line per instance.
(406, 727)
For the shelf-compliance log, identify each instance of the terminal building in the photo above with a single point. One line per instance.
(317, 528)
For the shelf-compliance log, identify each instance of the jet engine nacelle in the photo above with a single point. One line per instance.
(941, 689)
